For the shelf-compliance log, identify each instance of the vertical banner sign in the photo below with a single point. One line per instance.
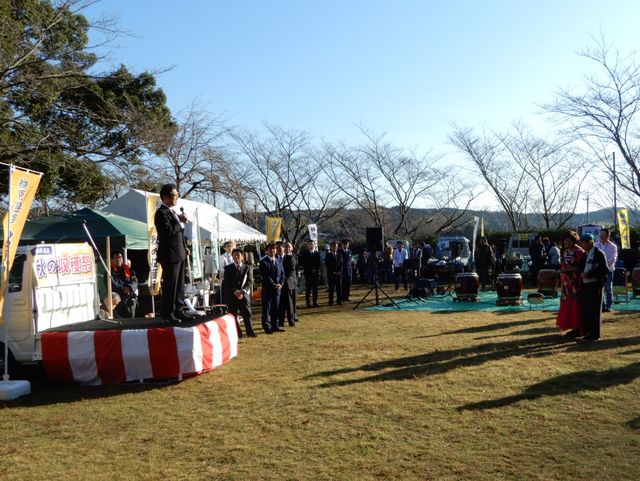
(476, 221)
(274, 226)
(313, 232)
(22, 190)
(155, 270)
(623, 227)
(481, 226)
(196, 268)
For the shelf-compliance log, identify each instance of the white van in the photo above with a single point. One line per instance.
(454, 248)
(50, 285)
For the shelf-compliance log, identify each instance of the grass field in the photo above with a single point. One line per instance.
(357, 396)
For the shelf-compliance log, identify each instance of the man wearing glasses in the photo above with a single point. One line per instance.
(172, 254)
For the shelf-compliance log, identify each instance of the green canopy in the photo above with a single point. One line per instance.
(128, 233)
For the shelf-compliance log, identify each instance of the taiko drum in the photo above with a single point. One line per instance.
(467, 285)
(548, 282)
(509, 288)
(635, 280)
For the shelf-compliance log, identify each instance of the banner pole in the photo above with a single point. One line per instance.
(5, 375)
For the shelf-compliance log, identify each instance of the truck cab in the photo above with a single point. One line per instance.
(49, 286)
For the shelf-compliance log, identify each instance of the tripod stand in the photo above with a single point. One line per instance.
(376, 287)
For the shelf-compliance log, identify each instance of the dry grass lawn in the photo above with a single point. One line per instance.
(357, 396)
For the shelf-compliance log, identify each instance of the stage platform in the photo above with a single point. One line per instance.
(137, 350)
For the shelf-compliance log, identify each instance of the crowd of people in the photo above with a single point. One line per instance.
(585, 268)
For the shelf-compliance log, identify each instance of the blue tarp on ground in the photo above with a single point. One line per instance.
(486, 302)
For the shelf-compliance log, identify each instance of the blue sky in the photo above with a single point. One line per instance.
(408, 68)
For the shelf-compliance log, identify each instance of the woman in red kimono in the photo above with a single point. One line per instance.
(569, 313)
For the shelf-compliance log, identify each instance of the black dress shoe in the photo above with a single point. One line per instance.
(308, 304)
(572, 333)
(252, 334)
(590, 339)
(171, 319)
(292, 324)
(268, 331)
(315, 304)
(278, 329)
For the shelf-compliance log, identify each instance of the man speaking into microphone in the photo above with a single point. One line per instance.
(172, 254)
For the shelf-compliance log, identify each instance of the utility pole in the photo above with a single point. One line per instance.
(615, 199)
(587, 199)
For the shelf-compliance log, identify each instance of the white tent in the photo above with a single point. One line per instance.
(215, 223)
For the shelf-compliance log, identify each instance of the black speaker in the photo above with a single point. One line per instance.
(374, 238)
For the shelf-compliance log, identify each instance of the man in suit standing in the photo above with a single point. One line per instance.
(334, 273)
(172, 254)
(237, 286)
(310, 261)
(594, 272)
(288, 296)
(272, 281)
(347, 268)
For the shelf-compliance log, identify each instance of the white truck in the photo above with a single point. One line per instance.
(50, 286)
(453, 248)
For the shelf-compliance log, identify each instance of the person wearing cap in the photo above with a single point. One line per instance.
(569, 317)
(610, 251)
(594, 274)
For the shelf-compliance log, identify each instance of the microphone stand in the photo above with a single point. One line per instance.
(106, 269)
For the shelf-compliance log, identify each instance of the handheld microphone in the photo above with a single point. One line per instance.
(182, 210)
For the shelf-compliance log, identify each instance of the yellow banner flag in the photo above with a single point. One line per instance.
(623, 227)
(23, 185)
(481, 226)
(274, 226)
(155, 269)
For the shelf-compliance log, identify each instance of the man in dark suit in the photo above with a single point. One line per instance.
(594, 272)
(237, 286)
(288, 296)
(172, 254)
(310, 261)
(347, 268)
(334, 273)
(272, 280)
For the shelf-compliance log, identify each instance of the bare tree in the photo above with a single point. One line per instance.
(358, 181)
(377, 176)
(511, 187)
(552, 169)
(193, 149)
(282, 174)
(604, 113)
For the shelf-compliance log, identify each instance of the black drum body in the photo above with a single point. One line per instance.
(509, 287)
(467, 286)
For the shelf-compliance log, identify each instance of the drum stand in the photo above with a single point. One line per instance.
(376, 287)
(452, 281)
(410, 297)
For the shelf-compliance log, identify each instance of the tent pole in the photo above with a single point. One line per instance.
(109, 293)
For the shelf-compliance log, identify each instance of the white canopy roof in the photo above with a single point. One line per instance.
(214, 222)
